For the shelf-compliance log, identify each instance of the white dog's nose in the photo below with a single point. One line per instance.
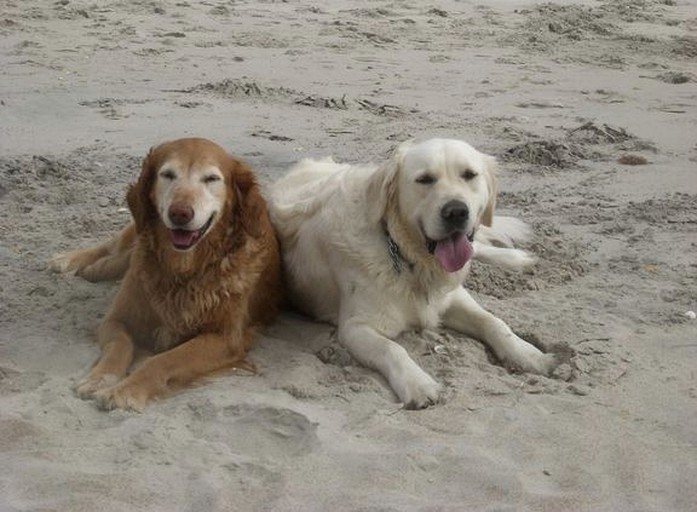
(455, 214)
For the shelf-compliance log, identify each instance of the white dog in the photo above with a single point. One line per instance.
(379, 250)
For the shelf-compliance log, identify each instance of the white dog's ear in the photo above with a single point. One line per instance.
(382, 185)
(492, 184)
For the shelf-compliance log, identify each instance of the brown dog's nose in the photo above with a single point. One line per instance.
(180, 214)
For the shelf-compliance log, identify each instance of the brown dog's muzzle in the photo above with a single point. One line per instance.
(180, 214)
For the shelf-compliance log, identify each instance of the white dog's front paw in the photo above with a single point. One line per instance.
(416, 389)
(528, 358)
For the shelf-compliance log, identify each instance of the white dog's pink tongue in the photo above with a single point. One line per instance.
(453, 252)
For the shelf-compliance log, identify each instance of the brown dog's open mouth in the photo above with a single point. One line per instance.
(452, 252)
(183, 239)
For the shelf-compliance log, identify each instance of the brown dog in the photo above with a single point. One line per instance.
(202, 269)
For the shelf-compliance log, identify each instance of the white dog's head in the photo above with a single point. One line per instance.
(441, 189)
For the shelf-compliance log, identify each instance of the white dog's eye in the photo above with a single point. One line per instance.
(468, 175)
(168, 175)
(211, 178)
(426, 179)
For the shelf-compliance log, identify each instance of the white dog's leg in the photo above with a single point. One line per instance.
(466, 316)
(513, 259)
(505, 232)
(415, 388)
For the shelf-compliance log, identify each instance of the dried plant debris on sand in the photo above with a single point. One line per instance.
(320, 102)
(379, 109)
(675, 77)
(590, 133)
(243, 88)
(235, 88)
(545, 153)
(582, 142)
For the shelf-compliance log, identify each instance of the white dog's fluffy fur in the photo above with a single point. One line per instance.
(379, 250)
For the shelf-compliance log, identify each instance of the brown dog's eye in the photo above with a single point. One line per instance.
(211, 178)
(468, 175)
(168, 175)
(426, 179)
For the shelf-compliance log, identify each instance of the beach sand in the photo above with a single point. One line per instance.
(591, 108)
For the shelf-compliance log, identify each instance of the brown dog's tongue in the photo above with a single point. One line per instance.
(453, 252)
(182, 237)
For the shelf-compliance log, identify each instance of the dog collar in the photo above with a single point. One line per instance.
(398, 261)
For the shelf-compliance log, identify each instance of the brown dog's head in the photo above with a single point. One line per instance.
(189, 187)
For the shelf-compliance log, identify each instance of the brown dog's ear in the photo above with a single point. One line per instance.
(249, 204)
(382, 186)
(492, 185)
(138, 196)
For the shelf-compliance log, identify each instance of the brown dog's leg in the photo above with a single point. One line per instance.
(174, 369)
(109, 268)
(116, 357)
(106, 261)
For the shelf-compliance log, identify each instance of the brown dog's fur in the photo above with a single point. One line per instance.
(196, 309)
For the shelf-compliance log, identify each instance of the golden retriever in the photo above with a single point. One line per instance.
(202, 270)
(378, 250)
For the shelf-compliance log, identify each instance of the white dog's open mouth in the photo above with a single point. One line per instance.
(454, 251)
(183, 239)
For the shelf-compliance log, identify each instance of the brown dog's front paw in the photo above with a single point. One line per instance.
(61, 263)
(122, 397)
(91, 384)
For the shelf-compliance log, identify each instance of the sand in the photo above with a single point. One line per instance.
(590, 107)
